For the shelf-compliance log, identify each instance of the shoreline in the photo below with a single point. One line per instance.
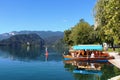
(115, 78)
(115, 62)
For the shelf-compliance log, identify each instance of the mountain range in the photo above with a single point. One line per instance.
(23, 40)
(49, 36)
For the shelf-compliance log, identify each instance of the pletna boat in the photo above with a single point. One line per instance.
(87, 53)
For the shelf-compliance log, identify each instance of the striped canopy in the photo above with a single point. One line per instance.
(87, 47)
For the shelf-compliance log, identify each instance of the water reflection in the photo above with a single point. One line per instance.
(71, 70)
(28, 54)
(90, 70)
(46, 58)
(20, 53)
(85, 65)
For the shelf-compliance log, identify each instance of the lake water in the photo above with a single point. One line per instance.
(32, 64)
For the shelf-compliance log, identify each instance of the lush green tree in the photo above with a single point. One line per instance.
(107, 17)
(67, 37)
(81, 33)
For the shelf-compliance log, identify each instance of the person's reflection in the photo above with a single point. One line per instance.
(46, 54)
(28, 48)
(46, 57)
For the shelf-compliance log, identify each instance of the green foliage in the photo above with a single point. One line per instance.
(107, 16)
(67, 37)
(116, 50)
(81, 33)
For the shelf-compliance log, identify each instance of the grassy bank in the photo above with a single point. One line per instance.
(116, 50)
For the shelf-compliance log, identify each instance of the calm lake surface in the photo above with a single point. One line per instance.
(32, 64)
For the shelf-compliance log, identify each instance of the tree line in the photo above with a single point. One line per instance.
(106, 27)
(81, 33)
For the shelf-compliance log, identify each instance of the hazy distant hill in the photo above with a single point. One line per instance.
(49, 36)
(23, 40)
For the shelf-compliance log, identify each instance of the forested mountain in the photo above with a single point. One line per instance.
(49, 36)
(23, 40)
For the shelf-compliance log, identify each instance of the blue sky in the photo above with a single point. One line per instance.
(44, 15)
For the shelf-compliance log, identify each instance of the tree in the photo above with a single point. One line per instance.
(81, 33)
(67, 38)
(107, 17)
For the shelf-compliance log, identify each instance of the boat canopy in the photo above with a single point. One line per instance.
(87, 47)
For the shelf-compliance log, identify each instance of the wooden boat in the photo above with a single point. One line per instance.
(87, 53)
(69, 57)
(74, 62)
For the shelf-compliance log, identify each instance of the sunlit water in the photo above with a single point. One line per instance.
(32, 64)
